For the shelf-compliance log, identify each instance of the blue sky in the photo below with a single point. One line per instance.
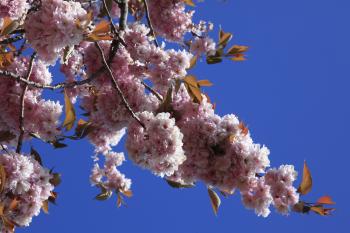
(293, 92)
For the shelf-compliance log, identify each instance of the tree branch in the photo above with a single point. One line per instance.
(21, 116)
(116, 86)
(150, 23)
(154, 92)
(124, 11)
(11, 40)
(10, 75)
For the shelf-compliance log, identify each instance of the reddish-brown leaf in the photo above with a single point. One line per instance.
(101, 28)
(205, 83)
(243, 128)
(306, 182)
(321, 210)
(214, 199)
(8, 26)
(327, 200)
(191, 80)
(2, 178)
(189, 2)
(193, 62)
(236, 49)
(45, 206)
(127, 193)
(224, 38)
(70, 113)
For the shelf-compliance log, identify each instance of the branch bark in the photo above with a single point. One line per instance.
(21, 116)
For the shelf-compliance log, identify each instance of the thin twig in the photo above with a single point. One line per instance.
(150, 23)
(154, 92)
(116, 86)
(21, 116)
(11, 39)
(7, 74)
(117, 39)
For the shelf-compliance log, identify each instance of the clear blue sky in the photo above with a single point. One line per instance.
(293, 92)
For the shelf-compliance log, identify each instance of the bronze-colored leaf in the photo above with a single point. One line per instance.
(3, 177)
(196, 93)
(175, 184)
(102, 28)
(321, 210)
(306, 182)
(8, 26)
(244, 128)
(57, 144)
(120, 200)
(6, 136)
(238, 57)
(8, 224)
(36, 155)
(213, 60)
(193, 62)
(236, 49)
(227, 193)
(45, 207)
(327, 200)
(56, 179)
(224, 38)
(95, 38)
(53, 197)
(104, 195)
(189, 2)
(83, 129)
(70, 113)
(127, 193)
(191, 80)
(301, 207)
(205, 83)
(14, 204)
(214, 199)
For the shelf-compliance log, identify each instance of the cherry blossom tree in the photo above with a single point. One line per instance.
(128, 64)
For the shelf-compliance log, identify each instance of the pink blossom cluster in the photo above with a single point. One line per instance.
(158, 145)
(104, 105)
(54, 27)
(222, 155)
(281, 182)
(41, 116)
(258, 197)
(169, 18)
(28, 183)
(14, 9)
(203, 45)
(218, 151)
(162, 66)
(109, 176)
